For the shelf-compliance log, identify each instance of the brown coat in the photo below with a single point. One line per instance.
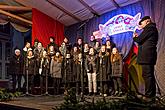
(117, 66)
(55, 68)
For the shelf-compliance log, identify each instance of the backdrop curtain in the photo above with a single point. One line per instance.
(19, 38)
(153, 8)
(18, 34)
(44, 26)
(123, 41)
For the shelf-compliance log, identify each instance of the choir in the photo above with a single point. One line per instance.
(90, 68)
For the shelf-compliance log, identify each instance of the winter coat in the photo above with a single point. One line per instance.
(147, 42)
(30, 65)
(104, 67)
(55, 69)
(38, 54)
(76, 67)
(91, 64)
(16, 65)
(44, 66)
(67, 69)
(117, 67)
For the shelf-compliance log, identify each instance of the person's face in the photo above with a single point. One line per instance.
(51, 48)
(97, 44)
(51, 40)
(57, 54)
(144, 23)
(75, 49)
(35, 44)
(65, 40)
(108, 43)
(79, 41)
(92, 38)
(91, 51)
(39, 45)
(114, 51)
(67, 55)
(86, 46)
(28, 45)
(103, 49)
(17, 53)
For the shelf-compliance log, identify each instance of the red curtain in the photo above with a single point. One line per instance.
(44, 26)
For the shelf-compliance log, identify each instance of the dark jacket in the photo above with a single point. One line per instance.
(30, 65)
(104, 67)
(16, 65)
(147, 42)
(67, 68)
(76, 66)
(91, 64)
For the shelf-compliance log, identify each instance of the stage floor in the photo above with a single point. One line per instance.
(42, 102)
(36, 102)
(50, 102)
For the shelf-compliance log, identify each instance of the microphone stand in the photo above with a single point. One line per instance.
(46, 78)
(27, 78)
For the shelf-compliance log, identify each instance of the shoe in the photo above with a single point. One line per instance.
(116, 93)
(105, 95)
(95, 93)
(112, 93)
(139, 96)
(90, 93)
(148, 99)
(120, 94)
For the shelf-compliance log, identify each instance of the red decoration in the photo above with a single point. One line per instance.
(44, 26)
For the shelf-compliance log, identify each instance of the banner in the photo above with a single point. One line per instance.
(119, 24)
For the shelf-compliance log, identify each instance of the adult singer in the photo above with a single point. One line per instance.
(147, 55)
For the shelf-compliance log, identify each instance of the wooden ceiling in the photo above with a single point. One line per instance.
(11, 10)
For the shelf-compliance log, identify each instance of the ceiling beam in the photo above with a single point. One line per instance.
(15, 8)
(64, 10)
(115, 4)
(16, 17)
(16, 22)
(89, 8)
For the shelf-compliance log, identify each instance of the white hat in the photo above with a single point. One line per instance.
(17, 50)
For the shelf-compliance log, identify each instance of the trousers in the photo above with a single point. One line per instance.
(92, 82)
(149, 80)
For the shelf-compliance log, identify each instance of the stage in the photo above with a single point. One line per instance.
(50, 102)
(33, 103)
(43, 102)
